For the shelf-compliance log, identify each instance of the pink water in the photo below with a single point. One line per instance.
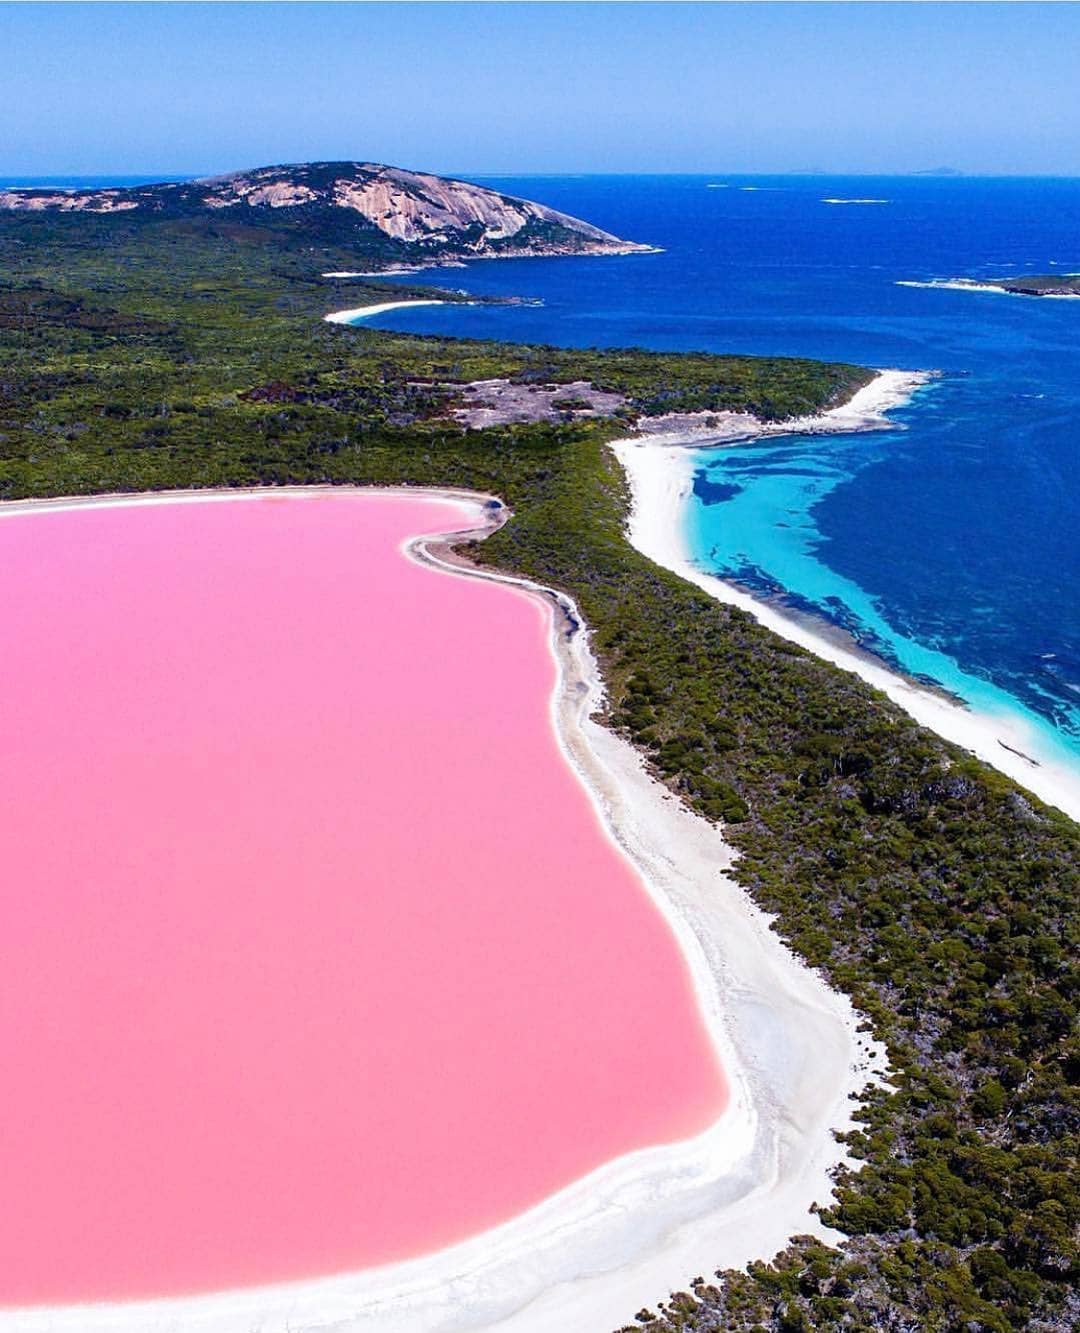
(315, 954)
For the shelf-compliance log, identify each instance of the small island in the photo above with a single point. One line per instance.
(1037, 284)
(1031, 284)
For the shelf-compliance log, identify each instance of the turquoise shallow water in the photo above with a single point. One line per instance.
(948, 546)
(752, 519)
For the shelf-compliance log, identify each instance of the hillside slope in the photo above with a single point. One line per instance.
(380, 211)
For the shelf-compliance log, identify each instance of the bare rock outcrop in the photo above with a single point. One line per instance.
(406, 213)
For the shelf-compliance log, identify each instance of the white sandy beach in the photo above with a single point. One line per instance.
(395, 270)
(365, 311)
(645, 1224)
(660, 471)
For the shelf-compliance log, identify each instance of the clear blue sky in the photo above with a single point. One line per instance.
(474, 88)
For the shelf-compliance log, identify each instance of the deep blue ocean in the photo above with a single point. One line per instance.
(950, 545)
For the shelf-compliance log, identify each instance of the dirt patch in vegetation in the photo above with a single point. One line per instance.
(501, 402)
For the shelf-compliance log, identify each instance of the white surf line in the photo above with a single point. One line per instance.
(661, 473)
(365, 311)
(644, 1224)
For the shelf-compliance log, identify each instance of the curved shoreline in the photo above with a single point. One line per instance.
(660, 473)
(646, 1223)
(363, 311)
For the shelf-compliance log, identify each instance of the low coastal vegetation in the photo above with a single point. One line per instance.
(928, 887)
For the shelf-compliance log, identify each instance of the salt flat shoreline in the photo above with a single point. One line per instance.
(591, 1255)
(660, 470)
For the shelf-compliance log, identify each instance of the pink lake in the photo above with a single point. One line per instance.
(315, 953)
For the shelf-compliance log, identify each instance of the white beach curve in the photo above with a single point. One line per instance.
(644, 1224)
(660, 472)
(365, 311)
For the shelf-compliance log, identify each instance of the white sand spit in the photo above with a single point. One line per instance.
(366, 311)
(393, 270)
(644, 1224)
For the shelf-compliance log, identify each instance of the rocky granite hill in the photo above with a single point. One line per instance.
(386, 213)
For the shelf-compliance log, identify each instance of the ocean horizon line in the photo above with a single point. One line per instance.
(152, 177)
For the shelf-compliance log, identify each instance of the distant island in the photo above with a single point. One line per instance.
(385, 215)
(1032, 284)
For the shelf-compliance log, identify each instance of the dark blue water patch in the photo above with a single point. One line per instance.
(950, 544)
(829, 609)
(712, 492)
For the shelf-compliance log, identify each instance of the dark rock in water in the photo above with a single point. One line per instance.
(713, 492)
